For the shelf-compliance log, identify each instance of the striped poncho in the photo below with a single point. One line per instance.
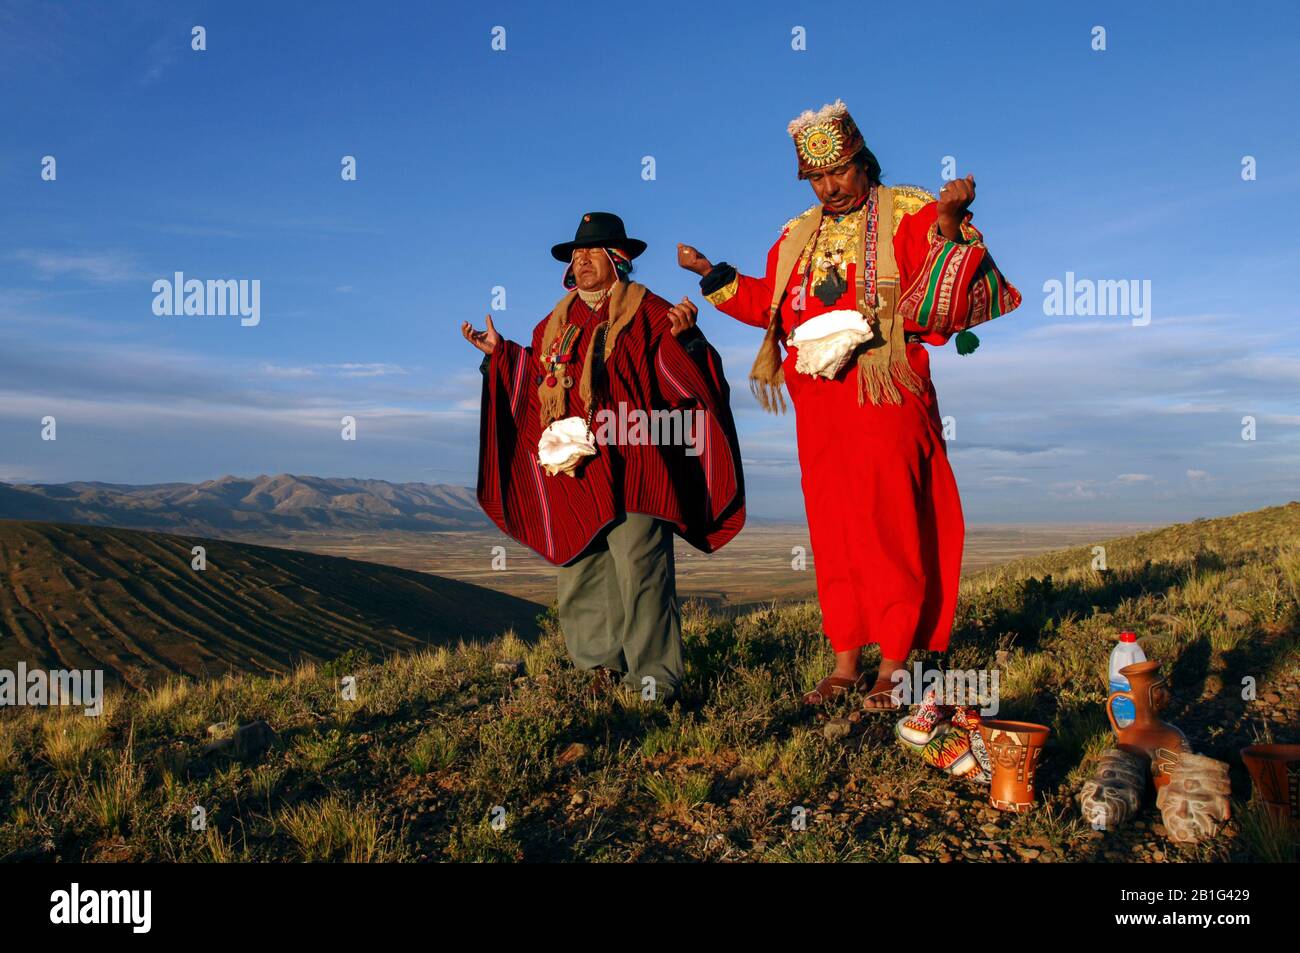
(650, 370)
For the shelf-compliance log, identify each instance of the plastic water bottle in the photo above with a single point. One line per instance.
(1126, 652)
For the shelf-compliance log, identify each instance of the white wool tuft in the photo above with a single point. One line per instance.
(808, 117)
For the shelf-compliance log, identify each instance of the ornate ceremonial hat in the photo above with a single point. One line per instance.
(826, 138)
(599, 230)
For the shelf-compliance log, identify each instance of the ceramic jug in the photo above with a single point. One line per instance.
(1160, 741)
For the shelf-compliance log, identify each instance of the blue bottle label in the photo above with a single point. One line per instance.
(1122, 707)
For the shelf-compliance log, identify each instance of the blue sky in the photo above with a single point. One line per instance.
(1122, 164)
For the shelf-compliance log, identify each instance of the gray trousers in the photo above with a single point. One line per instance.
(618, 605)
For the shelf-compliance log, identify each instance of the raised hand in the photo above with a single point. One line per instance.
(485, 341)
(954, 200)
(690, 259)
(682, 315)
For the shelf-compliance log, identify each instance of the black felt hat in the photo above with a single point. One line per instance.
(599, 230)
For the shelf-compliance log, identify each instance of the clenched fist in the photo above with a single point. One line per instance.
(954, 199)
(485, 341)
(690, 259)
(682, 315)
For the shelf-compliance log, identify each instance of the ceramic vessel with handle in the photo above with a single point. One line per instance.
(1160, 741)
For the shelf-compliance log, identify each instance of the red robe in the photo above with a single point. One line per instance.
(884, 515)
(649, 369)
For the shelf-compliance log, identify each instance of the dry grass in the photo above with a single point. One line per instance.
(444, 756)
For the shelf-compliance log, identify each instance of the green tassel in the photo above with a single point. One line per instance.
(967, 342)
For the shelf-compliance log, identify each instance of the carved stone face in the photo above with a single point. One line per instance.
(1194, 804)
(1114, 793)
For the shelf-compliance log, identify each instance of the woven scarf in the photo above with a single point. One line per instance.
(624, 302)
(882, 363)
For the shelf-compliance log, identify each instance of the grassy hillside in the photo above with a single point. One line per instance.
(126, 601)
(440, 741)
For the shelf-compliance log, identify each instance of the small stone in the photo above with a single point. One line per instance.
(739, 773)
(246, 743)
(1273, 698)
(837, 729)
(511, 667)
(909, 859)
(1028, 853)
(578, 799)
(574, 752)
(991, 831)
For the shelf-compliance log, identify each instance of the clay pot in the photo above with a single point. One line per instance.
(1194, 804)
(1160, 741)
(1014, 747)
(1275, 775)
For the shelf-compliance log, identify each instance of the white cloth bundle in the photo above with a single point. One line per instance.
(564, 445)
(827, 341)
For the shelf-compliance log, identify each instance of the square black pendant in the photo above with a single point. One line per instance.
(831, 288)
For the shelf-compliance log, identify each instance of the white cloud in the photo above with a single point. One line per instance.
(100, 267)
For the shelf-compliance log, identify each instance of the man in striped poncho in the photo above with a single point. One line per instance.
(607, 434)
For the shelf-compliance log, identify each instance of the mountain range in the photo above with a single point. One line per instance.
(262, 504)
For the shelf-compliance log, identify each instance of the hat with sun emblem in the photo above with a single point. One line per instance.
(826, 138)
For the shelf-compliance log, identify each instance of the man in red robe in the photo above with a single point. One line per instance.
(606, 435)
(855, 288)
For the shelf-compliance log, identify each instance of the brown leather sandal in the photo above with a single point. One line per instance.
(878, 692)
(832, 686)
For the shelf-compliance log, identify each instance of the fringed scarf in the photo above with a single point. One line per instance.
(882, 363)
(624, 302)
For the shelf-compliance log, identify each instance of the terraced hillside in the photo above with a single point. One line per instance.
(74, 596)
